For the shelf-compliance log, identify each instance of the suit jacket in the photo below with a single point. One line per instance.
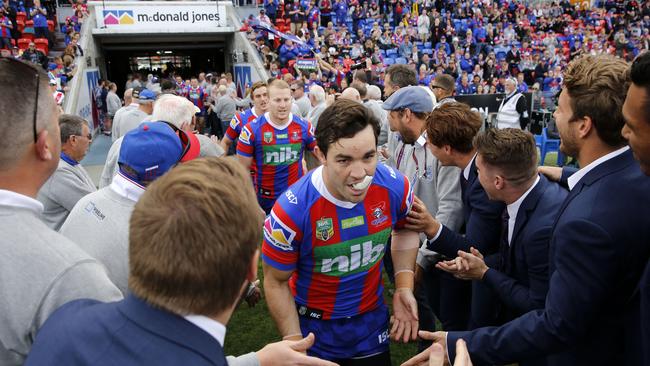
(482, 221)
(599, 248)
(522, 280)
(644, 286)
(127, 332)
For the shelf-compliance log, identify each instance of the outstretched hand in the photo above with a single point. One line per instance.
(405, 316)
(290, 353)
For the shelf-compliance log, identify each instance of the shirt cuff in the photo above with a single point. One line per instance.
(435, 237)
(448, 358)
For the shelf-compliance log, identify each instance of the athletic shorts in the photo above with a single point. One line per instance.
(357, 336)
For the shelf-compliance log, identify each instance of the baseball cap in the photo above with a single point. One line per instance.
(152, 149)
(412, 97)
(146, 96)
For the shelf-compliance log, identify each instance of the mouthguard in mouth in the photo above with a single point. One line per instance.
(363, 184)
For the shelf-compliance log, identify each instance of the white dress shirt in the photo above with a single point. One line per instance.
(10, 198)
(210, 326)
(575, 178)
(513, 209)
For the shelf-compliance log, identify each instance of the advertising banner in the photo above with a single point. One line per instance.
(169, 16)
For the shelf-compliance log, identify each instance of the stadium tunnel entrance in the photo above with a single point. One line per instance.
(185, 55)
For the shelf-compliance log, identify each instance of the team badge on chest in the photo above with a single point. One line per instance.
(324, 229)
(268, 137)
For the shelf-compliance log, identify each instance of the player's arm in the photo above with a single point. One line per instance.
(225, 143)
(280, 301)
(245, 147)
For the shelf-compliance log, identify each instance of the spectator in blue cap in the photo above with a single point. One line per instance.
(132, 119)
(99, 222)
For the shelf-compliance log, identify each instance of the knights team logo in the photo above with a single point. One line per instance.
(378, 215)
(268, 137)
(295, 136)
(324, 229)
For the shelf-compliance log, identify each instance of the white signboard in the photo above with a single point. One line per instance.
(169, 16)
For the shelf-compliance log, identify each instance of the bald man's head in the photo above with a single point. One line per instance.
(351, 94)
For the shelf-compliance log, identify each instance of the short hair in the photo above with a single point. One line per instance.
(257, 85)
(299, 84)
(18, 102)
(373, 92)
(187, 253)
(70, 125)
(597, 86)
(343, 119)
(278, 84)
(401, 75)
(360, 75)
(511, 150)
(639, 74)
(361, 88)
(453, 124)
(317, 92)
(128, 93)
(166, 85)
(446, 82)
(173, 109)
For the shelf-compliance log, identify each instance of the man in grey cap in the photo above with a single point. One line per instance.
(443, 87)
(436, 187)
(132, 119)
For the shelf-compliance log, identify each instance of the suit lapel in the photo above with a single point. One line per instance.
(173, 328)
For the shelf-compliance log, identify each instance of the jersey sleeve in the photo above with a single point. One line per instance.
(282, 238)
(406, 201)
(245, 143)
(310, 139)
(234, 128)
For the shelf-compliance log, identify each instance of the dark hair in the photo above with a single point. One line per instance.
(166, 85)
(361, 88)
(401, 75)
(445, 82)
(511, 150)
(597, 87)
(70, 125)
(343, 119)
(453, 124)
(360, 75)
(640, 76)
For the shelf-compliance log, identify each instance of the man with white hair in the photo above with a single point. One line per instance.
(175, 110)
(513, 111)
(373, 93)
(351, 94)
(132, 119)
(318, 105)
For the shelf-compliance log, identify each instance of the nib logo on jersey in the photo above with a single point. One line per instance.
(352, 256)
(281, 154)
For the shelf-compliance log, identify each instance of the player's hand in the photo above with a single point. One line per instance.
(290, 353)
(253, 295)
(467, 266)
(437, 356)
(405, 316)
(424, 357)
(553, 173)
(420, 219)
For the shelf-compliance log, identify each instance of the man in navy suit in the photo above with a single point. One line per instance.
(450, 130)
(518, 274)
(636, 130)
(190, 262)
(599, 246)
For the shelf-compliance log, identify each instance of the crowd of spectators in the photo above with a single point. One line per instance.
(28, 33)
(480, 42)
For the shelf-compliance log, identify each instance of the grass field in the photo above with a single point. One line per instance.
(252, 328)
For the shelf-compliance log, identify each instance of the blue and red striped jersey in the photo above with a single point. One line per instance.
(335, 248)
(196, 96)
(277, 153)
(240, 120)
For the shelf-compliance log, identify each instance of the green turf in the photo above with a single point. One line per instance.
(250, 329)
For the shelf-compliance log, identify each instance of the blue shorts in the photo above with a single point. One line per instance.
(358, 336)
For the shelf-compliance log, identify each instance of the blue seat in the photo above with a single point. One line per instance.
(546, 146)
(428, 51)
(389, 61)
(401, 61)
(428, 45)
(391, 51)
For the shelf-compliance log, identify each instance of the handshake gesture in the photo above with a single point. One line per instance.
(436, 355)
(467, 266)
